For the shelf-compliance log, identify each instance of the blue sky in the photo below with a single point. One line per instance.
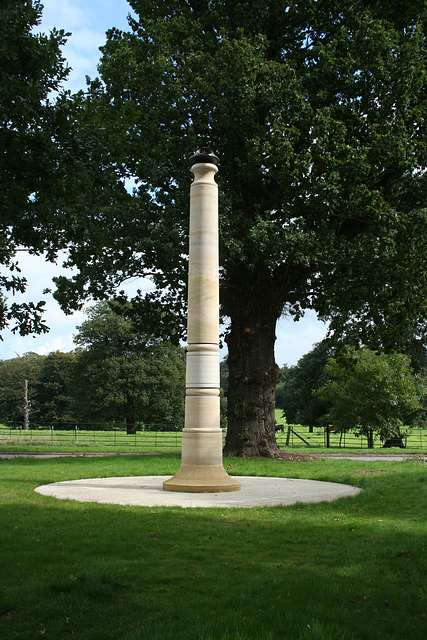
(88, 20)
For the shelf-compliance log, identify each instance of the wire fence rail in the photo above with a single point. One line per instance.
(297, 435)
(155, 438)
(163, 438)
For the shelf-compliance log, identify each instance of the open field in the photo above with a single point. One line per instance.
(83, 440)
(166, 442)
(349, 570)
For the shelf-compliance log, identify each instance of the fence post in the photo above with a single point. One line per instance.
(51, 433)
(75, 433)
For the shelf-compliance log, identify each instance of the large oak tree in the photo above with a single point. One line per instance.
(317, 109)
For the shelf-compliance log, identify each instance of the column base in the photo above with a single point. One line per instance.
(201, 479)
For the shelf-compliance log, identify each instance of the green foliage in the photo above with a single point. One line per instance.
(52, 401)
(32, 154)
(13, 374)
(294, 393)
(49, 388)
(368, 390)
(116, 375)
(125, 376)
(316, 112)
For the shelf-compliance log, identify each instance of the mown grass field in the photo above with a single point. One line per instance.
(85, 440)
(151, 441)
(353, 569)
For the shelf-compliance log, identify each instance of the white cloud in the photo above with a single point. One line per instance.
(60, 343)
(294, 339)
(39, 274)
(87, 21)
(65, 14)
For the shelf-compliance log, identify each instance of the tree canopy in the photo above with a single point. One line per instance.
(317, 110)
(122, 375)
(13, 374)
(34, 158)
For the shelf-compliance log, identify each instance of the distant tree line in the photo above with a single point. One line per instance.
(116, 375)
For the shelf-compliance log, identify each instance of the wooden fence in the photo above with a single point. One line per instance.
(167, 438)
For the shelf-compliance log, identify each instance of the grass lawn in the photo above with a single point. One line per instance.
(351, 569)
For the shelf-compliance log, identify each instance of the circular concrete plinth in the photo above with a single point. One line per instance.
(147, 491)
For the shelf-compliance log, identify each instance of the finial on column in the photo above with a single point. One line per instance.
(204, 155)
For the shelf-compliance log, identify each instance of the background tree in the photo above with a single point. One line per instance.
(124, 376)
(52, 395)
(316, 110)
(282, 385)
(371, 392)
(296, 391)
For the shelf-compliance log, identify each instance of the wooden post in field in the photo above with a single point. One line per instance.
(26, 407)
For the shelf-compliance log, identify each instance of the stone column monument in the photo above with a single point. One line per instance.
(201, 462)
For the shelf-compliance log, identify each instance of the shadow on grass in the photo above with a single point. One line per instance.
(351, 569)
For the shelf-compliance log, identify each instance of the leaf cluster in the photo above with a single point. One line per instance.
(31, 129)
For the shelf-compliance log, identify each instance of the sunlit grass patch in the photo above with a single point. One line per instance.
(350, 569)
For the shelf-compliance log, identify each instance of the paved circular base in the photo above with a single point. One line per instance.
(147, 491)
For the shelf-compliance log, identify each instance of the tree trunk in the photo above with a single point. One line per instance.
(130, 419)
(130, 428)
(252, 384)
